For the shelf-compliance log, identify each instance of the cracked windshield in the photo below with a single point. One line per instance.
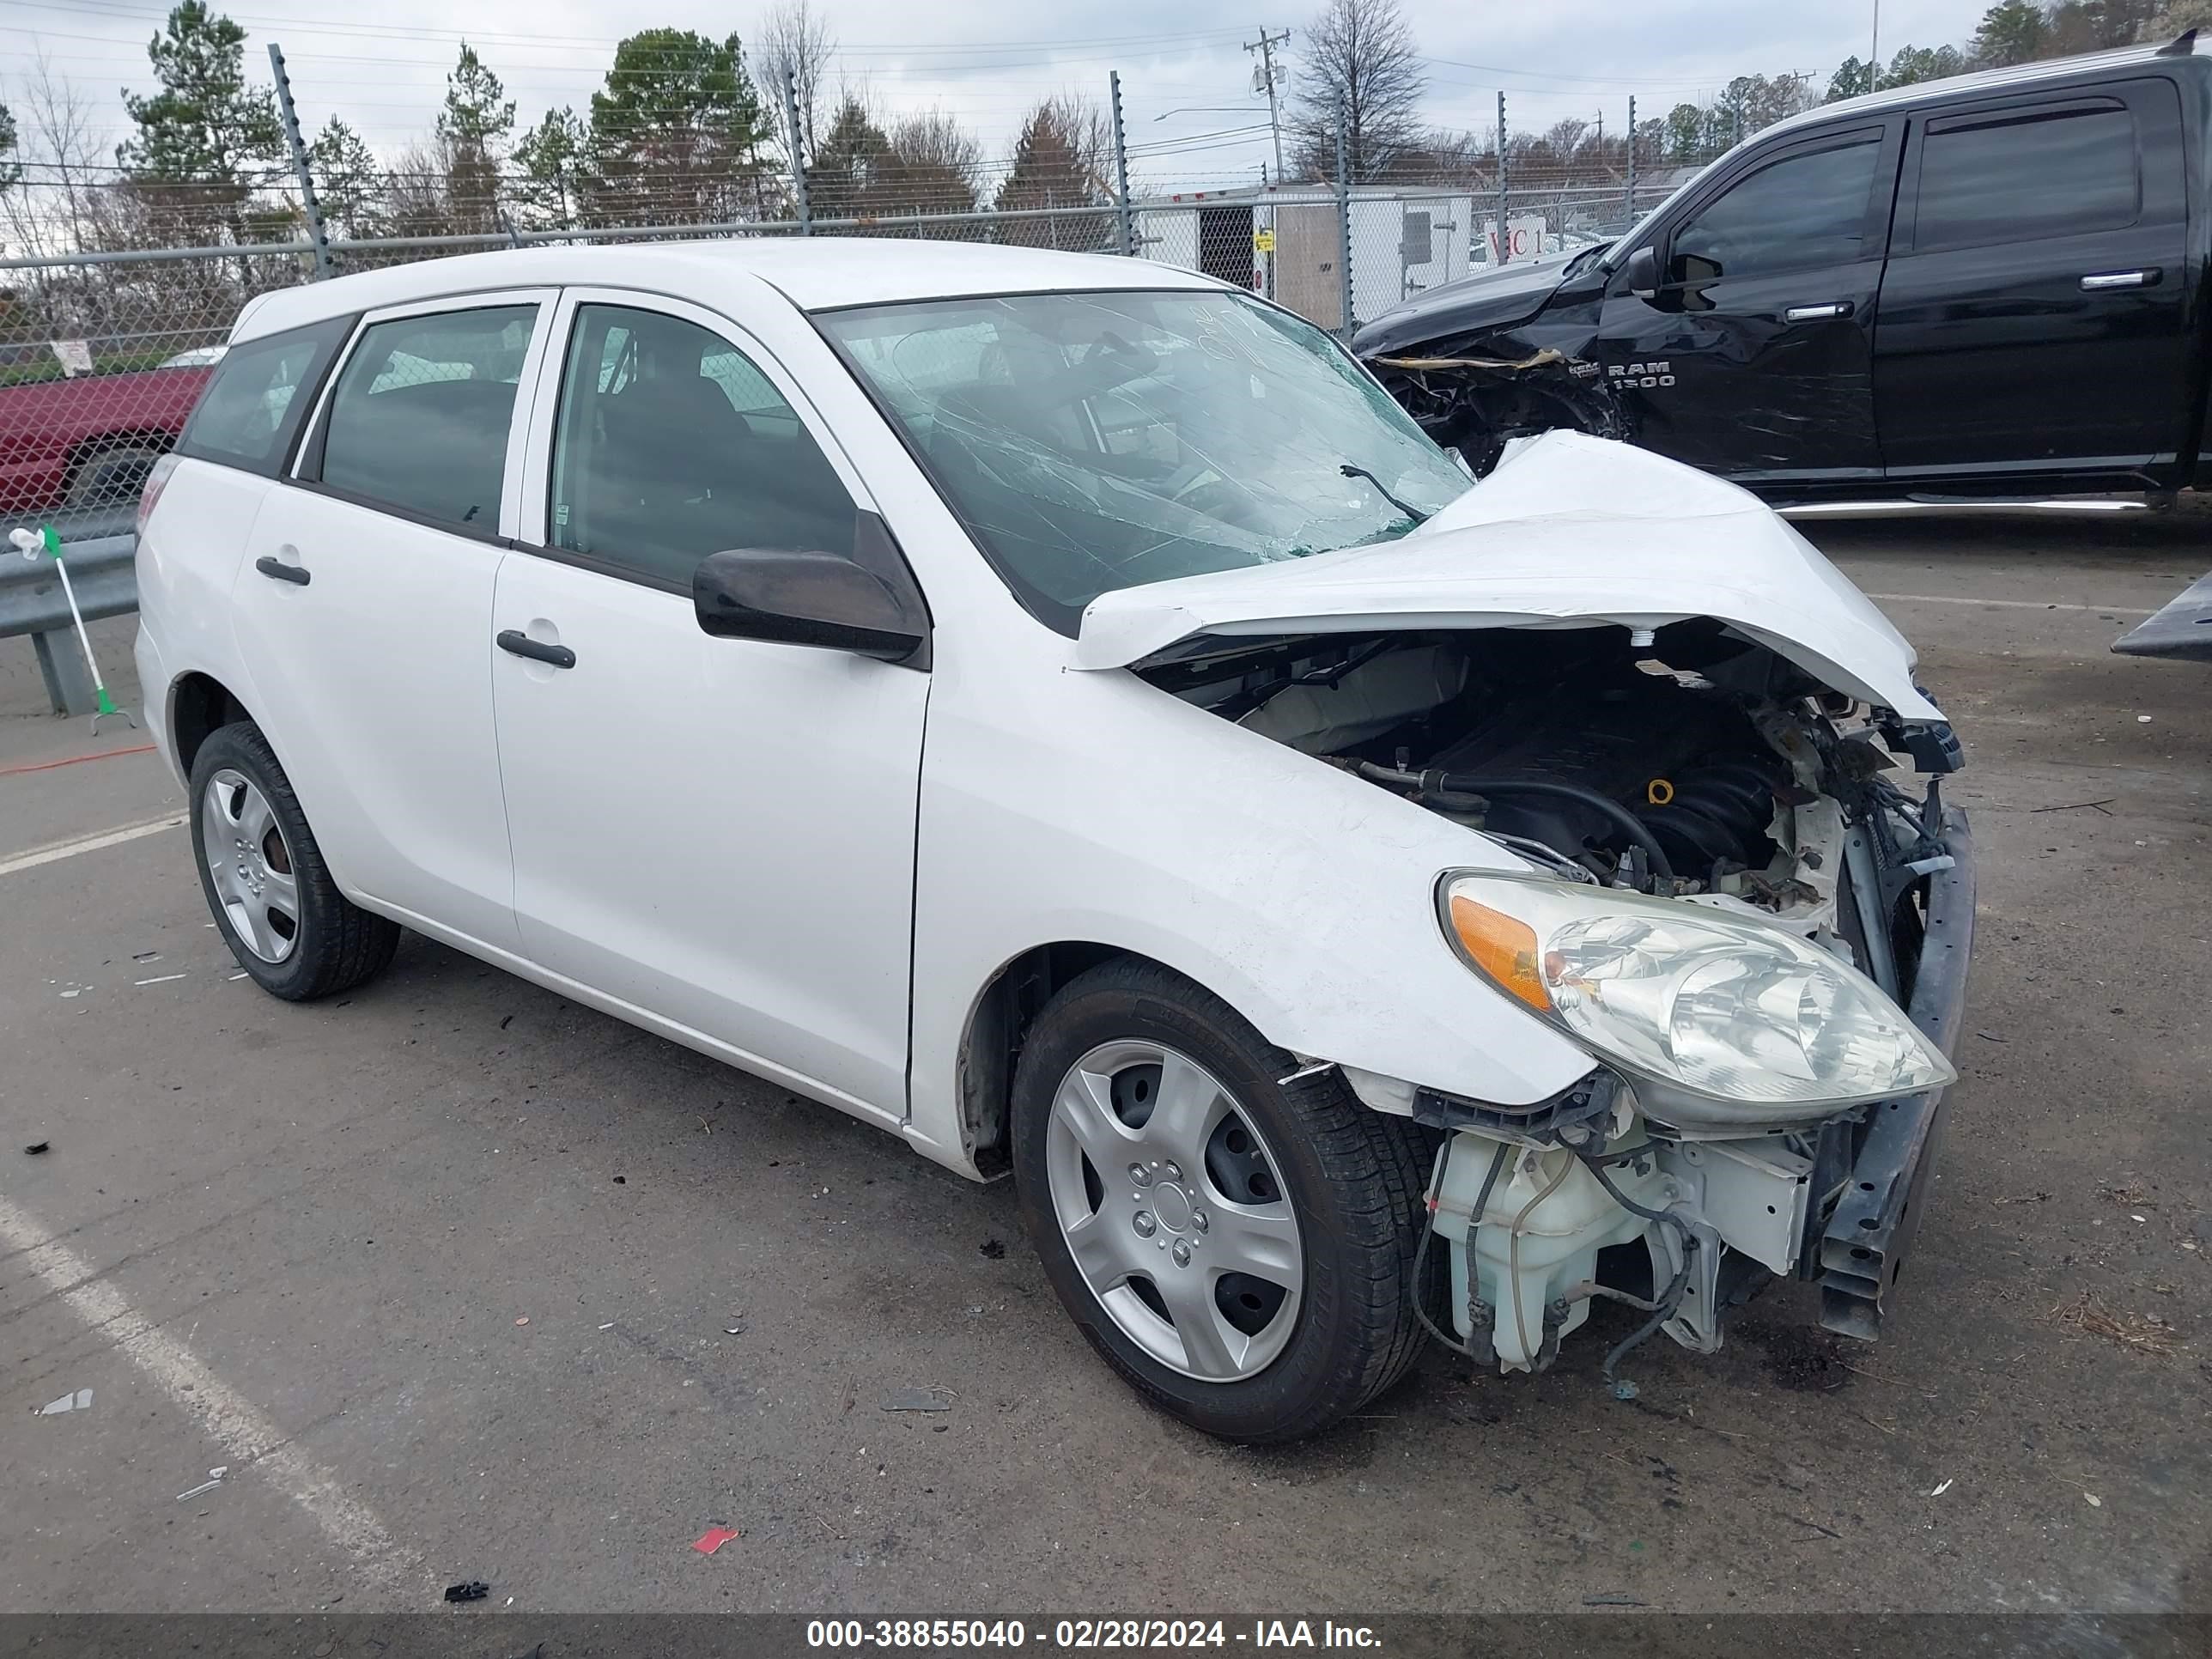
(1091, 441)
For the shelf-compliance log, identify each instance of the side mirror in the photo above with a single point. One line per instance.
(823, 599)
(1641, 273)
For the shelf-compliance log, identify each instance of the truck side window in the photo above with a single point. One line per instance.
(1804, 210)
(2027, 175)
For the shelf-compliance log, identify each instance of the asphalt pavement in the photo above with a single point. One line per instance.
(453, 1280)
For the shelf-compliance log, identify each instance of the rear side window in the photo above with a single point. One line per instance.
(420, 417)
(2028, 176)
(671, 444)
(1804, 210)
(259, 394)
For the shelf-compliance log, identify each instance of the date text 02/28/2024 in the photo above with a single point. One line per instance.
(1081, 1635)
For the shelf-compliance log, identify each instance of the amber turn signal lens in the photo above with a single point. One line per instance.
(1503, 947)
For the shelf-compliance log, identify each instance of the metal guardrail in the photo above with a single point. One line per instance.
(104, 571)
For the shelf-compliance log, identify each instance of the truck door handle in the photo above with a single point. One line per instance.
(2104, 280)
(515, 640)
(1816, 314)
(281, 571)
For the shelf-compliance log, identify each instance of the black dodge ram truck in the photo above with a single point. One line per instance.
(1986, 287)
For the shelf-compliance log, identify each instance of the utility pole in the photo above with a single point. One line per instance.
(1504, 236)
(1127, 223)
(317, 233)
(1874, 51)
(1265, 46)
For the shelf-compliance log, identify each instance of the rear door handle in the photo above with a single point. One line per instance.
(281, 571)
(2104, 280)
(1817, 313)
(515, 640)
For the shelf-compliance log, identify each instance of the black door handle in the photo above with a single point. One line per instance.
(515, 640)
(281, 571)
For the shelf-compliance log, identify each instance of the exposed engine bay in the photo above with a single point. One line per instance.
(1685, 763)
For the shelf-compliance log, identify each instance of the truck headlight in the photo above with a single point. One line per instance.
(1699, 1000)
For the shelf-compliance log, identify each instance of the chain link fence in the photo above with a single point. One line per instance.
(103, 350)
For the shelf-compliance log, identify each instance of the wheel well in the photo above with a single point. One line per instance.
(996, 1031)
(203, 704)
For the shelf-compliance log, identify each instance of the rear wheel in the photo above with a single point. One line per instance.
(112, 476)
(1236, 1246)
(272, 896)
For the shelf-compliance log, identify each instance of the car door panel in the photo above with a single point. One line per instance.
(2032, 315)
(367, 624)
(718, 831)
(1753, 356)
(373, 684)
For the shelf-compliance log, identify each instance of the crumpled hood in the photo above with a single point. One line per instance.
(1488, 300)
(1567, 531)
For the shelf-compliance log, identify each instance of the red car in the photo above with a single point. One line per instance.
(89, 441)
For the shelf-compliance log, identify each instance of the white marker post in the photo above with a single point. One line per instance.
(33, 543)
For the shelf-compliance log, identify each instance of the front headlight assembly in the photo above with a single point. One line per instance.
(1721, 1017)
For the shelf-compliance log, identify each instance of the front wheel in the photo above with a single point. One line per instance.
(1237, 1246)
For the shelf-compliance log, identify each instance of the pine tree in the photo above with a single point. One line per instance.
(473, 131)
(201, 136)
(675, 137)
(347, 183)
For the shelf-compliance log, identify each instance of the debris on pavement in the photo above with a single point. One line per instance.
(1613, 1601)
(713, 1538)
(79, 1401)
(1942, 1488)
(991, 1250)
(921, 1400)
(213, 1480)
(2025, 1198)
(524, 1319)
(469, 1590)
(2096, 1502)
(37, 1148)
(2144, 1332)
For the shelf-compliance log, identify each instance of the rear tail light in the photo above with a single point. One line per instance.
(155, 481)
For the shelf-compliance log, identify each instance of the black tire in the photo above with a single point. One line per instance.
(1352, 1177)
(337, 945)
(112, 476)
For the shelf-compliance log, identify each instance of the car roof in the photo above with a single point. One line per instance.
(2087, 64)
(817, 273)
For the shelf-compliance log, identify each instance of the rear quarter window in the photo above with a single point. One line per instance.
(259, 395)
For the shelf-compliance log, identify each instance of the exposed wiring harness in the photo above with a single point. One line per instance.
(1663, 1307)
(1429, 1231)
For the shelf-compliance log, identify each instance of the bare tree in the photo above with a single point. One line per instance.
(933, 164)
(61, 205)
(793, 39)
(1358, 58)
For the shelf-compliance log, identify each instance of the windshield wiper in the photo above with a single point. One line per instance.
(1413, 512)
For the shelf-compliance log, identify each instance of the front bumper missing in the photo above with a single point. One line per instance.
(1862, 1248)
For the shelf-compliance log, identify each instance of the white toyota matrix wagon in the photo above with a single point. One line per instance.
(1059, 709)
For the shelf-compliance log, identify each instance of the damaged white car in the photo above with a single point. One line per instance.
(1061, 710)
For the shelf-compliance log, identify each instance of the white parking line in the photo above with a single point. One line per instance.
(231, 1419)
(68, 850)
(2008, 605)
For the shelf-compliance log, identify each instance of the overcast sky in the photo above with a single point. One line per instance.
(985, 60)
